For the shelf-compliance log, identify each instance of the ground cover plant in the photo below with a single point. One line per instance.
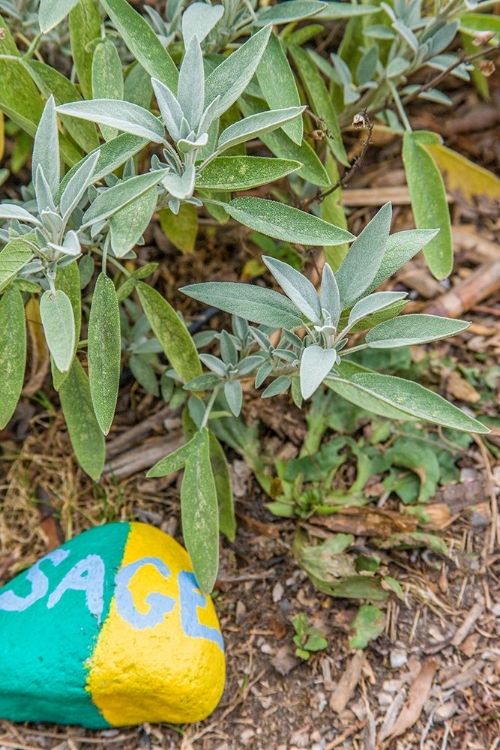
(124, 117)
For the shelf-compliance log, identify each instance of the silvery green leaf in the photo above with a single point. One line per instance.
(379, 31)
(252, 303)
(170, 108)
(204, 382)
(10, 211)
(330, 297)
(107, 78)
(209, 116)
(200, 19)
(70, 246)
(122, 115)
(113, 199)
(256, 125)
(260, 338)
(127, 225)
(141, 40)
(400, 248)
(342, 69)
(413, 329)
(13, 258)
(180, 186)
(443, 62)
(234, 396)
(293, 10)
(360, 265)
(12, 351)
(373, 303)
(315, 364)
(76, 186)
(263, 373)
(389, 395)
(58, 322)
(397, 67)
(249, 364)
(441, 38)
(228, 350)
(46, 147)
(243, 172)
(284, 354)
(278, 85)
(52, 12)
(214, 364)
(52, 224)
(191, 88)
(285, 223)
(232, 76)
(407, 34)
(297, 287)
(280, 385)
(185, 146)
(43, 192)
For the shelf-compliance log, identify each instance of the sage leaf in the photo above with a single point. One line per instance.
(428, 201)
(84, 431)
(174, 461)
(225, 499)
(104, 351)
(10, 211)
(113, 199)
(256, 125)
(84, 27)
(297, 287)
(46, 147)
(58, 322)
(124, 116)
(285, 223)
(263, 306)
(200, 19)
(12, 352)
(400, 248)
(107, 78)
(388, 396)
(142, 41)
(320, 100)
(52, 12)
(373, 303)
(234, 396)
(200, 512)
(174, 337)
(68, 281)
(229, 79)
(360, 265)
(409, 330)
(14, 256)
(293, 10)
(128, 224)
(277, 83)
(244, 172)
(76, 185)
(315, 365)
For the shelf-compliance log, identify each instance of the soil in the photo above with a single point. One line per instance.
(432, 679)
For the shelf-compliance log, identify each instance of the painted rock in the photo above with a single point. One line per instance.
(108, 630)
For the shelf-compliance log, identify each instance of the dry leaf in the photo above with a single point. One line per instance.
(347, 683)
(459, 388)
(463, 176)
(417, 696)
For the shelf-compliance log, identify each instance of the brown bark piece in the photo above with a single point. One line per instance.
(417, 696)
(347, 683)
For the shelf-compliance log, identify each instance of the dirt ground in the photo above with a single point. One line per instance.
(431, 681)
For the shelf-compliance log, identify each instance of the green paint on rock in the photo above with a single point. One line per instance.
(50, 618)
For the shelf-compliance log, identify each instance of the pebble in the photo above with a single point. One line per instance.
(398, 657)
(110, 629)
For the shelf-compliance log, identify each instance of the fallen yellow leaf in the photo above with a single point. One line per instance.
(463, 176)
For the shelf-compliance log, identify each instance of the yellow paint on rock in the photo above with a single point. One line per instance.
(156, 673)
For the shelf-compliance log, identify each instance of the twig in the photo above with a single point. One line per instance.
(462, 59)
(360, 120)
